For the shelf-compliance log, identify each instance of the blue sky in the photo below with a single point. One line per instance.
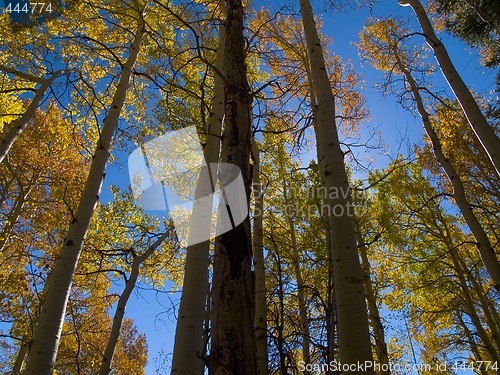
(152, 311)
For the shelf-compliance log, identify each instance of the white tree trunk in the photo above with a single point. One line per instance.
(353, 331)
(259, 268)
(477, 120)
(47, 334)
(483, 243)
(122, 303)
(21, 355)
(188, 342)
(17, 126)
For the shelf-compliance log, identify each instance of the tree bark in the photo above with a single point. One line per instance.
(21, 355)
(122, 303)
(188, 342)
(353, 331)
(233, 349)
(483, 243)
(477, 120)
(47, 334)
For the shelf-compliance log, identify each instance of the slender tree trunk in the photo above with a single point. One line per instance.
(304, 323)
(21, 355)
(487, 304)
(490, 314)
(280, 320)
(371, 299)
(42, 356)
(17, 126)
(483, 243)
(473, 344)
(469, 305)
(259, 267)
(476, 118)
(489, 310)
(122, 303)
(233, 340)
(14, 215)
(353, 331)
(188, 343)
(331, 316)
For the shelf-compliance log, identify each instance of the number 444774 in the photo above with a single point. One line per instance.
(29, 8)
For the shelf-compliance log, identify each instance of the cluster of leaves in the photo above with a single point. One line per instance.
(478, 24)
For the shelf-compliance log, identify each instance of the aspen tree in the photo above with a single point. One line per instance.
(470, 107)
(304, 323)
(17, 126)
(43, 352)
(373, 310)
(122, 303)
(187, 355)
(233, 349)
(382, 39)
(483, 243)
(353, 332)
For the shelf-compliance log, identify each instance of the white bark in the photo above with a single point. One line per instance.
(477, 120)
(17, 126)
(122, 303)
(353, 331)
(188, 342)
(483, 243)
(21, 355)
(47, 334)
(259, 268)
